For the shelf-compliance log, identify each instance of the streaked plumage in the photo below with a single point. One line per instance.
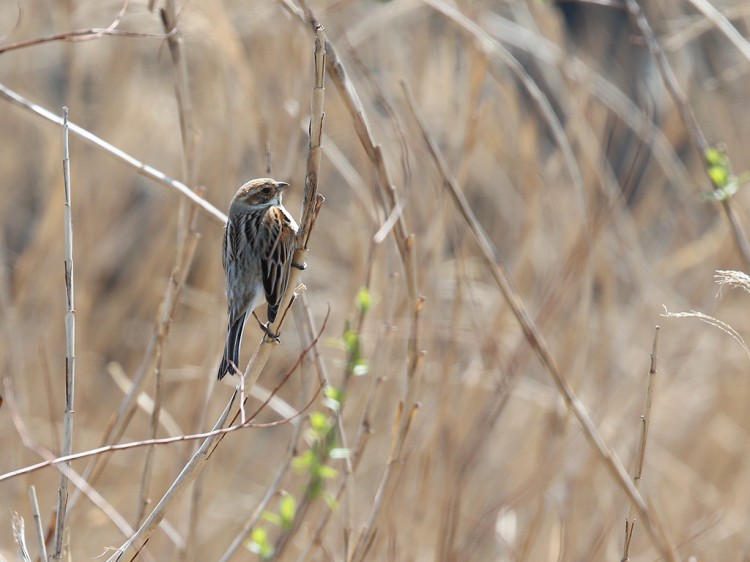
(257, 254)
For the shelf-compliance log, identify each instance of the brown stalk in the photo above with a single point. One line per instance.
(187, 236)
(641, 453)
(310, 340)
(70, 350)
(311, 206)
(60, 463)
(144, 169)
(697, 136)
(38, 527)
(88, 34)
(536, 339)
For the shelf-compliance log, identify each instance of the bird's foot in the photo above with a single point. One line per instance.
(269, 334)
(265, 326)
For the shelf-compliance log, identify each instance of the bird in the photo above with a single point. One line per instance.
(257, 254)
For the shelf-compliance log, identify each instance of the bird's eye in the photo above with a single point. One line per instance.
(266, 190)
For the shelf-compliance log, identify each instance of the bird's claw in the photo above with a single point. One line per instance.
(269, 334)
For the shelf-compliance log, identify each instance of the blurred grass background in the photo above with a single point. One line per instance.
(494, 468)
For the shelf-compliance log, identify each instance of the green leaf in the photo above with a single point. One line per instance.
(259, 535)
(719, 175)
(304, 461)
(715, 157)
(351, 341)
(272, 518)
(259, 543)
(319, 421)
(287, 510)
(334, 393)
(327, 472)
(364, 300)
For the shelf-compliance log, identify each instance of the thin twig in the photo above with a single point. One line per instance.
(188, 474)
(494, 50)
(248, 423)
(187, 238)
(197, 462)
(283, 468)
(144, 169)
(305, 321)
(59, 463)
(83, 34)
(695, 131)
(70, 347)
(405, 244)
(152, 357)
(175, 284)
(535, 337)
(724, 25)
(645, 422)
(401, 427)
(312, 203)
(345, 87)
(38, 527)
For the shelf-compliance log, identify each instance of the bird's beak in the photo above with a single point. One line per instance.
(281, 185)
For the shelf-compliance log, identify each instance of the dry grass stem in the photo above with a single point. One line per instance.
(105, 507)
(311, 207)
(723, 24)
(498, 241)
(38, 527)
(642, 439)
(70, 347)
(534, 337)
(697, 135)
(144, 169)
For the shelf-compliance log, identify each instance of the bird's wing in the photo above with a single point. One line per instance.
(277, 256)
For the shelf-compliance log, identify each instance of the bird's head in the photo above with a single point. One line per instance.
(259, 193)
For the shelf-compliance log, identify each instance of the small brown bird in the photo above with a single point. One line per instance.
(257, 255)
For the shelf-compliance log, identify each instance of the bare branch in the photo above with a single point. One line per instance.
(70, 347)
(535, 337)
(144, 169)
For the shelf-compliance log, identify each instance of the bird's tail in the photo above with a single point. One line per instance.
(230, 360)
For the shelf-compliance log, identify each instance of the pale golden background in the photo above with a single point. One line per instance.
(494, 468)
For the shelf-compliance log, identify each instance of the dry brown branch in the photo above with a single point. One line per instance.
(535, 338)
(122, 417)
(355, 108)
(641, 453)
(59, 463)
(70, 347)
(311, 206)
(283, 468)
(84, 34)
(144, 169)
(496, 52)
(697, 136)
(405, 244)
(187, 238)
(38, 527)
(723, 24)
